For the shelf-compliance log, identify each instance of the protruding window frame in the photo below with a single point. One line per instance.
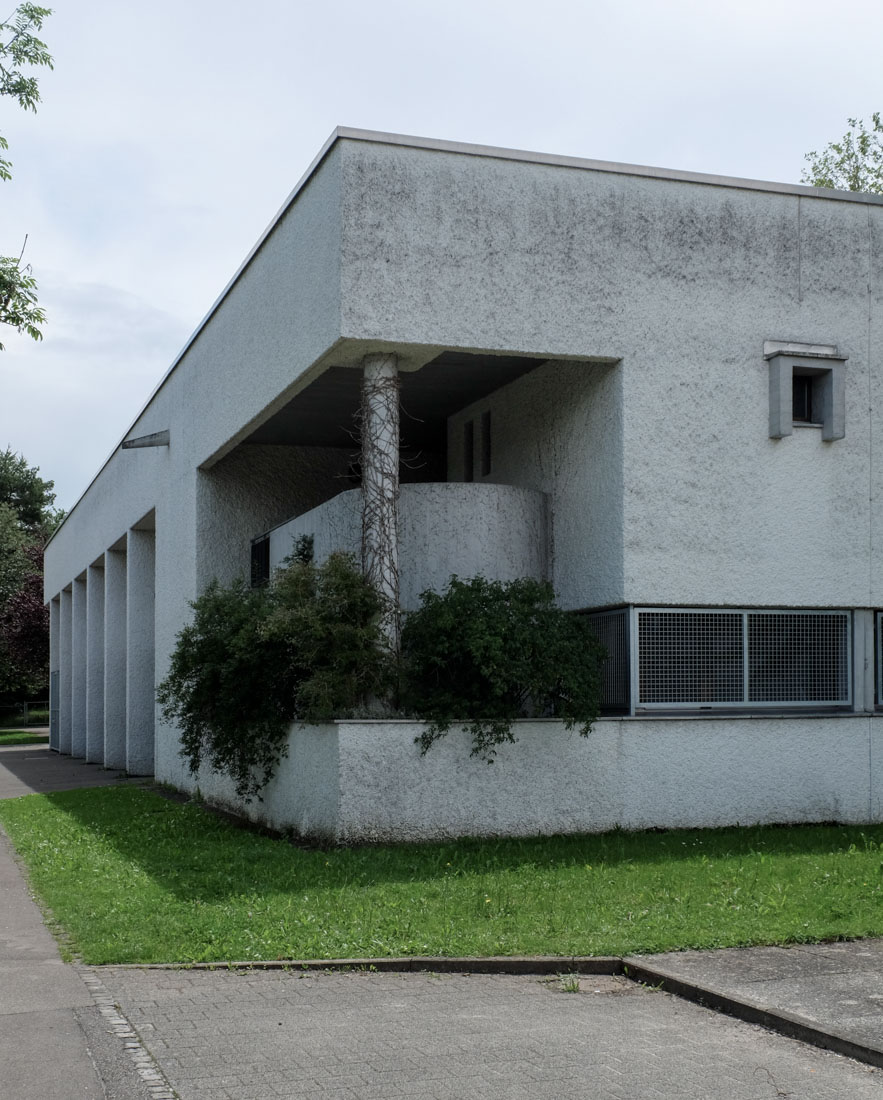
(827, 370)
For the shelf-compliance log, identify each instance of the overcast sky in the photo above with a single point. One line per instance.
(170, 133)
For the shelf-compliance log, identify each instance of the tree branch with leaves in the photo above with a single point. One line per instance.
(854, 163)
(20, 49)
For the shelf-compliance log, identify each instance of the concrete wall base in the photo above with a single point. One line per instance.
(365, 781)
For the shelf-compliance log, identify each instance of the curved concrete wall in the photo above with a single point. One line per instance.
(366, 780)
(494, 531)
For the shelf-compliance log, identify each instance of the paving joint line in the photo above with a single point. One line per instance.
(145, 1064)
(636, 970)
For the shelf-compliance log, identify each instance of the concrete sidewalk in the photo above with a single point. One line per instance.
(52, 1042)
(127, 1033)
(52, 1038)
(829, 994)
(36, 769)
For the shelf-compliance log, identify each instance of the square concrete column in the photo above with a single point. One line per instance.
(95, 665)
(140, 669)
(115, 659)
(54, 637)
(78, 665)
(64, 671)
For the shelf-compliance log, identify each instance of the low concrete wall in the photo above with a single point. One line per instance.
(496, 531)
(362, 781)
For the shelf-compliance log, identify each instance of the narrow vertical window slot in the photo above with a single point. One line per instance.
(468, 451)
(485, 443)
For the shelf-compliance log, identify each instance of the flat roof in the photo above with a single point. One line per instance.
(379, 137)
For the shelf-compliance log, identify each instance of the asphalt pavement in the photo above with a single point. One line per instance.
(456, 1030)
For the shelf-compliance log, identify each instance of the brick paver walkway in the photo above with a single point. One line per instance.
(225, 1035)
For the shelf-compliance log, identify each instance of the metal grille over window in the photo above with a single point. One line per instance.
(701, 658)
(798, 657)
(611, 630)
(690, 657)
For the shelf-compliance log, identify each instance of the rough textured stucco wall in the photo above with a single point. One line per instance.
(366, 781)
(872, 346)
(251, 490)
(275, 322)
(716, 511)
(303, 796)
(496, 531)
(558, 430)
(683, 282)
(334, 525)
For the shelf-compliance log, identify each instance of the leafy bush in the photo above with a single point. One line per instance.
(484, 653)
(328, 621)
(305, 647)
(308, 647)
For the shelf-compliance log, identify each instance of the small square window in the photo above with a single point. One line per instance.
(807, 386)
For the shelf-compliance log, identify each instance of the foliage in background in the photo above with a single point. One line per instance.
(27, 519)
(20, 49)
(304, 647)
(854, 163)
(26, 493)
(24, 634)
(485, 653)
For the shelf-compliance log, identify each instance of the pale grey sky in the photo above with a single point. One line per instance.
(170, 133)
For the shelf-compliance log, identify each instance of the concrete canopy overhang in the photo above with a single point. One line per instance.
(323, 413)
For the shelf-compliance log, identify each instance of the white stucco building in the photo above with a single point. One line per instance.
(663, 391)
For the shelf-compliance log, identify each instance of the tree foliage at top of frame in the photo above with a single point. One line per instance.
(20, 50)
(854, 163)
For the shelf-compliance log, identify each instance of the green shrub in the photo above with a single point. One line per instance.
(485, 653)
(305, 647)
(328, 620)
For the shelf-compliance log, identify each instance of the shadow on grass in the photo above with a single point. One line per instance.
(196, 855)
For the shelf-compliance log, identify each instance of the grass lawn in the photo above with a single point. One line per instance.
(22, 737)
(132, 877)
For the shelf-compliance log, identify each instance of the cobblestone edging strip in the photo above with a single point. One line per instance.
(146, 1068)
(638, 970)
